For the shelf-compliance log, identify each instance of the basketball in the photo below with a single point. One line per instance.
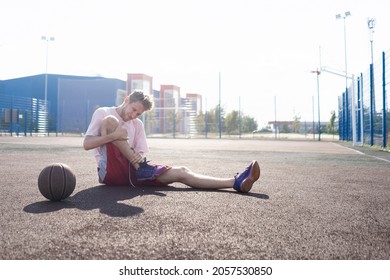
(56, 181)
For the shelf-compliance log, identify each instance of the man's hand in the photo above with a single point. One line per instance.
(120, 133)
(136, 159)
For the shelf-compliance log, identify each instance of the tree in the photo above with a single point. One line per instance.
(332, 122)
(249, 124)
(296, 125)
(230, 122)
(210, 120)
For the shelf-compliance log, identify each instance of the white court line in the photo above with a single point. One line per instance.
(356, 151)
(359, 152)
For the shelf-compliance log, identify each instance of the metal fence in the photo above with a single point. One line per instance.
(23, 116)
(364, 116)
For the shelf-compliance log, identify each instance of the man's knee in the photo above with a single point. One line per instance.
(109, 124)
(182, 172)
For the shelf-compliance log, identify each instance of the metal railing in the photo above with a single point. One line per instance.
(364, 116)
(23, 116)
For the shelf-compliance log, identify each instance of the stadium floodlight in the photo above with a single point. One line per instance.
(371, 26)
(47, 39)
(318, 72)
(344, 16)
(371, 23)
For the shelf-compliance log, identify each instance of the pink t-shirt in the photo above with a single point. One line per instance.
(135, 130)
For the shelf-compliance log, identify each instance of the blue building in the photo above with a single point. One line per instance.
(71, 102)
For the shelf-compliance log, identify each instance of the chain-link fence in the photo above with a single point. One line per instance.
(364, 116)
(23, 116)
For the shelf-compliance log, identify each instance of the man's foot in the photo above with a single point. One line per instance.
(148, 172)
(244, 181)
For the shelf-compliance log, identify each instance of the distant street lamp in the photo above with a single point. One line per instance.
(219, 109)
(318, 72)
(47, 39)
(371, 26)
(344, 16)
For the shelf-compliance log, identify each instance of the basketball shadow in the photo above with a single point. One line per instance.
(108, 199)
(105, 198)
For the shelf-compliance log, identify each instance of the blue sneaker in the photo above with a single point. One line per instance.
(148, 171)
(244, 181)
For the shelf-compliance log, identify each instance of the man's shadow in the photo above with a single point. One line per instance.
(108, 199)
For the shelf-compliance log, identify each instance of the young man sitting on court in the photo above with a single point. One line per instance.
(118, 138)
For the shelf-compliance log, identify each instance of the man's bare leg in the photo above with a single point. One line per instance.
(189, 178)
(242, 182)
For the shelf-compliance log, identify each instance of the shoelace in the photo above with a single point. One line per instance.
(144, 161)
(238, 175)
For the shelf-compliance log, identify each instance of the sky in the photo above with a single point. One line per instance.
(262, 50)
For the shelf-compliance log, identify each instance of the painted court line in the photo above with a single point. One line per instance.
(361, 153)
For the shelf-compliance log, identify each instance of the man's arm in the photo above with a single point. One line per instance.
(119, 138)
(92, 142)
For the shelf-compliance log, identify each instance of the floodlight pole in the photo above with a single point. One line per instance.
(312, 105)
(371, 26)
(344, 16)
(275, 126)
(239, 117)
(205, 120)
(220, 109)
(47, 39)
(318, 72)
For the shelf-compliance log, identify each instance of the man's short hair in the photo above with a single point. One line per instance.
(138, 95)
